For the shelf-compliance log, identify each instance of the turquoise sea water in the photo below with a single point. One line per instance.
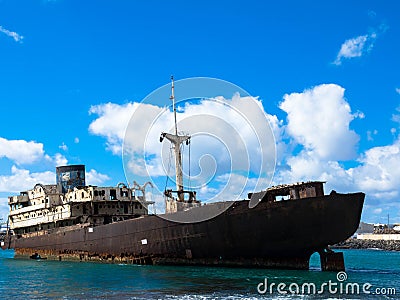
(31, 279)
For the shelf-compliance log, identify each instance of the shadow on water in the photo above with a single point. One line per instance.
(24, 278)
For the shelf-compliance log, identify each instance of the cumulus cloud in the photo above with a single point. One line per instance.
(59, 160)
(22, 179)
(95, 178)
(20, 151)
(319, 119)
(17, 37)
(305, 167)
(377, 170)
(111, 123)
(23, 152)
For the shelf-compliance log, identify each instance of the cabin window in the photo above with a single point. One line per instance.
(282, 197)
(83, 195)
(113, 194)
(96, 193)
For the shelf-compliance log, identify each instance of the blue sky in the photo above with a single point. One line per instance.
(62, 61)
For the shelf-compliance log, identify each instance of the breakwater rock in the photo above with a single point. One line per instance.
(368, 244)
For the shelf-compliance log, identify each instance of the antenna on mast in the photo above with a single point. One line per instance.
(172, 97)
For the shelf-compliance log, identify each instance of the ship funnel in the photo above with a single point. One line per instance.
(69, 177)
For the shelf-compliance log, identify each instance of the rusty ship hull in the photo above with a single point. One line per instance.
(281, 234)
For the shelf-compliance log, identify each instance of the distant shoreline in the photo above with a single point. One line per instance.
(368, 244)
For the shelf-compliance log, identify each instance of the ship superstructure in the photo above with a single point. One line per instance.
(71, 202)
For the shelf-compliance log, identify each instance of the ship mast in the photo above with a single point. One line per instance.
(176, 141)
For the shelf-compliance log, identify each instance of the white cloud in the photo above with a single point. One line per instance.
(63, 147)
(95, 178)
(14, 35)
(20, 151)
(22, 179)
(319, 120)
(326, 140)
(360, 45)
(398, 90)
(352, 48)
(59, 160)
(111, 123)
(396, 115)
(76, 140)
(377, 211)
(379, 171)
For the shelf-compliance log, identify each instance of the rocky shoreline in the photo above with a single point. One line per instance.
(368, 244)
